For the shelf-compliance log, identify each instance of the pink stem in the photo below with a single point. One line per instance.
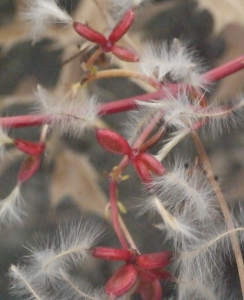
(225, 70)
(24, 121)
(129, 103)
(114, 212)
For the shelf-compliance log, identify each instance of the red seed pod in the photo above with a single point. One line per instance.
(124, 54)
(122, 281)
(89, 34)
(146, 276)
(154, 260)
(111, 254)
(144, 164)
(152, 163)
(162, 274)
(141, 170)
(151, 291)
(28, 168)
(112, 141)
(122, 27)
(29, 147)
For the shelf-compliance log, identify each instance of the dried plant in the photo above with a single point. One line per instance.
(187, 201)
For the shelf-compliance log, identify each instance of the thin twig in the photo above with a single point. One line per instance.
(125, 73)
(224, 207)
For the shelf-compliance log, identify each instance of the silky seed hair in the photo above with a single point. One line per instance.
(41, 14)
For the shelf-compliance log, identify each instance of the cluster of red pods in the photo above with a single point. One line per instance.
(108, 44)
(140, 273)
(143, 163)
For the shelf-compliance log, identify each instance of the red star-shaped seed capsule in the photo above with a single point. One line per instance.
(140, 274)
(143, 163)
(108, 44)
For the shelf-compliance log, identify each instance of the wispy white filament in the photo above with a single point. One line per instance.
(119, 8)
(177, 137)
(21, 285)
(4, 140)
(186, 190)
(40, 14)
(72, 116)
(12, 208)
(70, 247)
(171, 222)
(76, 289)
(174, 61)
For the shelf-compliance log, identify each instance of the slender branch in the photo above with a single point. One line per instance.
(224, 207)
(114, 212)
(117, 221)
(74, 287)
(104, 109)
(127, 235)
(225, 70)
(93, 58)
(129, 103)
(74, 56)
(124, 73)
(64, 253)
(15, 270)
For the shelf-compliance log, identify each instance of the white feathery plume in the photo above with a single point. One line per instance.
(176, 138)
(72, 244)
(40, 14)
(12, 208)
(171, 222)
(76, 289)
(21, 286)
(4, 140)
(118, 8)
(175, 61)
(178, 111)
(184, 115)
(200, 269)
(72, 116)
(186, 190)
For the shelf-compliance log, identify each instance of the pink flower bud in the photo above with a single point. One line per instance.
(162, 274)
(89, 34)
(125, 54)
(154, 260)
(151, 291)
(122, 27)
(112, 141)
(142, 170)
(146, 276)
(111, 254)
(28, 168)
(143, 163)
(29, 147)
(122, 281)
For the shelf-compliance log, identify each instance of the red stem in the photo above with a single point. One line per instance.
(129, 103)
(225, 70)
(104, 109)
(114, 212)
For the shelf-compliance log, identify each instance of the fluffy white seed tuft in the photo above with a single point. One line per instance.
(21, 284)
(186, 190)
(117, 9)
(12, 208)
(172, 62)
(40, 14)
(72, 115)
(70, 247)
(200, 269)
(77, 289)
(4, 140)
